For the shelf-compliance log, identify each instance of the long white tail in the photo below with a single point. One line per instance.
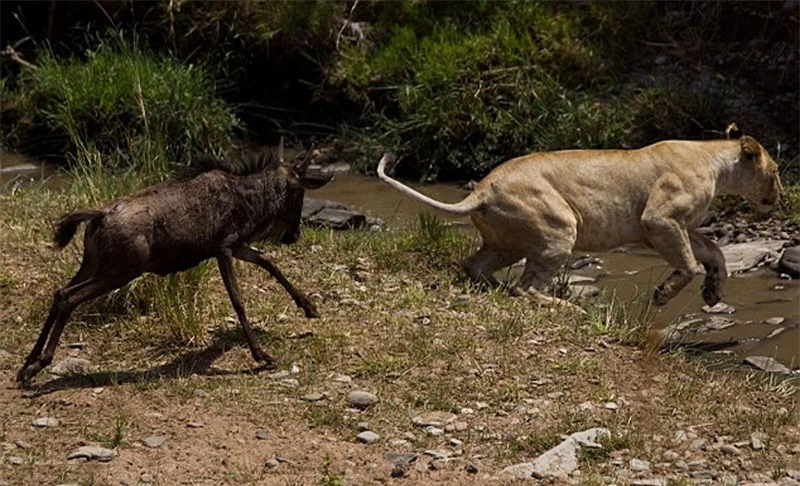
(468, 205)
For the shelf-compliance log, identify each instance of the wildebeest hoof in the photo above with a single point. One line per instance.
(659, 298)
(263, 357)
(311, 312)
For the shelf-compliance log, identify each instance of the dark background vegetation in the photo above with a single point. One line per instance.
(453, 87)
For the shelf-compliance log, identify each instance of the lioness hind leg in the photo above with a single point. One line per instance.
(713, 260)
(480, 267)
(539, 269)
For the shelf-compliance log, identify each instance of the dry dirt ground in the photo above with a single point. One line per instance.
(397, 321)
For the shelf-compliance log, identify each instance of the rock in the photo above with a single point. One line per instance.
(362, 426)
(400, 462)
(718, 323)
(638, 465)
(611, 406)
(155, 441)
(471, 468)
(774, 321)
(579, 279)
(45, 422)
(756, 444)
(438, 453)
(15, 460)
(719, 308)
(741, 257)
(199, 393)
(272, 463)
(71, 366)
(361, 399)
(790, 262)
(342, 379)
(767, 364)
(434, 431)
(93, 453)
(262, 435)
(649, 482)
(730, 450)
(313, 397)
(367, 437)
(585, 291)
(22, 445)
(330, 214)
(194, 425)
(147, 478)
(562, 460)
(4, 354)
(585, 261)
(436, 419)
(671, 456)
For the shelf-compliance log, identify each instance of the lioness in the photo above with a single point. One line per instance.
(543, 206)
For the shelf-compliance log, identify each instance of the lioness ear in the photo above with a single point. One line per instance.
(750, 148)
(733, 131)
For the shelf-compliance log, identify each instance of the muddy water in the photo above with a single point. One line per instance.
(629, 274)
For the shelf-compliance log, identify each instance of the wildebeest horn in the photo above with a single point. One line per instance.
(302, 166)
(280, 150)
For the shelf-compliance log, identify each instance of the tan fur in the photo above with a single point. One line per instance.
(545, 205)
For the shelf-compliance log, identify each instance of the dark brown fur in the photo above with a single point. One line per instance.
(209, 210)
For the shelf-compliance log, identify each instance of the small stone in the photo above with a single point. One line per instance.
(435, 419)
(434, 431)
(147, 478)
(367, 437)
(671, 456)
(399, 470)
(155, 441)
(649, 482)
(438, 453)
(361, 399)
(639, 465)
(456, 443)
(461, 426)
(272, 463)
(756, 444)
(194, 425)
(278, 375)
(199, 393)
(471, 468)
(98, 390)
(262, 435)
(362, 426)
(765, 363)
(23, 445)
(775, 321)
(71, 365)
(719, 308)
(342, 379)
(611, 406)
(93, 453)
(15, 460)
(731, 450)
(45, 422)
(313, 397)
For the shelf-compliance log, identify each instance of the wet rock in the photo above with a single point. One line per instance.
(93, 453)
(71, 365)
(561, 460)
(585, 261)
(367, 437)
(774, 321)
(155, 441)
(361, 399)
(436, 419)
(741, 257)
(330, 214)
(767, 364)
(45, 422)
(790, 262)
(719, 308)
(718, 323)
(585, 291)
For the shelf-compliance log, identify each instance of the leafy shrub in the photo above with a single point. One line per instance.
(118, 97)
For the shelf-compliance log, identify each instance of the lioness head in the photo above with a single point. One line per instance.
(760, 174)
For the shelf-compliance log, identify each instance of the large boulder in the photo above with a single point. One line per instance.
(331, 214)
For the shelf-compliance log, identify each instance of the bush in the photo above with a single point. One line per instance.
(118, 97)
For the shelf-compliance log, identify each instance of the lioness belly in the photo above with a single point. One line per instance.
(617, 229)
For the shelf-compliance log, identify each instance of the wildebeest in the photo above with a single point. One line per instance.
(210, 209)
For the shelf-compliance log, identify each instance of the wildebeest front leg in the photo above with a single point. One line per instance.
(253, 256)
(713, 260)
(225, 263)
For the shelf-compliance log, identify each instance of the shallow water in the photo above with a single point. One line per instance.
(628, 274)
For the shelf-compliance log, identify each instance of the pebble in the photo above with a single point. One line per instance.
(671, 456)
(456, 443)
(71, 365)
(272, 463)
(731, 450)
(45, 422)
(775, 321)
(362, 426)
(194, 425)
(756, 443)
(93, 452)
(649, 482)
(367, 437)
(147, 478)
(23, 445)
(155, 441)
(719, 308)
(611, 406)
(262, 435)
(765, 363)
(638, 465)
(15, 460)
(342, 379)
(361, 399)
(436, 419)
(199, 393)
(313, 397)
(471, 468)
(434, 431)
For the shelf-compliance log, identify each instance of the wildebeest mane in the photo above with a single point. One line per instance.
(253, 163)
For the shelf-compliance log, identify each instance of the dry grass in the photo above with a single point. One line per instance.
(400, 325)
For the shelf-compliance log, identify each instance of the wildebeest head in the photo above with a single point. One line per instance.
(298, 180)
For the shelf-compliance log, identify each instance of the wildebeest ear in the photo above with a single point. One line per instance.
(750, 148)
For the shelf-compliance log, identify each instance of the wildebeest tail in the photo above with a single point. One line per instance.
(66, 226)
